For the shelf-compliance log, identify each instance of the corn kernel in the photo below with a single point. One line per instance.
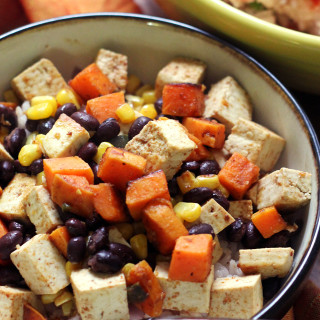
(64, 297)
(10, 96)
(135, 101)
(126, 113)
(72, 267)
(144, 88)
(32, 138)
(149, 96)
(103, 146)
(187, 181)
(187, 211)
(29, 153)
(45, 99)
(210, 181)
(223, 190)
(148, 110)
(67, 96)
(41, 179)
(139, 245)
(40, 111)
(49, 298)
(133, 83)
(39, 139)
(126, 229)
(126, 269)
(67, 308)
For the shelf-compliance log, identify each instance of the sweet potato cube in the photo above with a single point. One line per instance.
(74, 191)
(105, 107)
(209, 132)
(183, 100)
(30, 313)
(60, 238)
(162, 225)
(238, 175)
(200, 152)
(108, 203)
(119, 166)
(268, 221)
(91, 83)
(67, 166)
(144, 189)
(191, 258)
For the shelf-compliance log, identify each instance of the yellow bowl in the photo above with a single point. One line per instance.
(293, 56)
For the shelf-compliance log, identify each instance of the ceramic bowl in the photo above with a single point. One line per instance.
(291, 55)
(150, 43)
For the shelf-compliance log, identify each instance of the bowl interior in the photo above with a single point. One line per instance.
(150, 44)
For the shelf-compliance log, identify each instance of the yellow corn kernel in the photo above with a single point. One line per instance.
(144, 88)
(67, 308)
(29, 153)
(126, 113)
(103, 146)
(133, 83)
(49, 298)
(139, 245)
(39, 139)
(41, 179)
(149, 96)
(126, 229)
(10, 96)
(126, 269)
(210, 181)
(187, 211)
(64, 297)
(135, 101)
(32, 138)
(72, 267)
(45, 99)
(40, 111)
(67, 96)
(223, 190)
(148, 110)
(187, 181)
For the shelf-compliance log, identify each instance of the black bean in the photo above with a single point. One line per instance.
(252, 238)
(87, 121)
(158, 105)
(68, 109)
(76, 249)
(9, 275)
(270, 287)
(105, 261)
(14, 141)
(106, 131)
(26, 238)
(198, 195)
(45, 125)
(202, 228)
(94, 222)
(192, 166)
(8, 117)
(8, 243)
(119, 141)
(236, 230)
(16, 226)
(76, 227)
(136, 294)
(18, 167)
(221, 199)
(137, 126)
(32, 125)
(279, 239)
(87, 151)
(36, 166)
(7, 172)
(94, 166)
(173, 187)
(125, 253)
(98, 240)
(209, 167)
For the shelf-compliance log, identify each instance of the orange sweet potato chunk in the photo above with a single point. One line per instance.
(105, 107)
(209, 132)
(74, 191)
(91, 83)
(238, 175)
(66, 166)
(119, 166)
(30, 313)
(191, 258)
(200, 152)
(60, 238)
(183, 100)
(162, 225)
(144, 189)
(108, 203)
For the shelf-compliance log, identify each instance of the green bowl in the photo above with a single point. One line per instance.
(293, 56)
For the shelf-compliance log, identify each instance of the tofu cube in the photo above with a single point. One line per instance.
(41, 265)
(40, 79)
(257, 143)
(4, 154)
(269, 262)
(164, 144)
(184, 295)
(180, 70)
(213, 214)
(100, 296)
(114, 66)
(65, 138)
(12, 301)
(286, 189)
(252, 193)
(227, 101)
(217, 250)
(236, 297)
(12, 201)
(41, 210)
(241, 209)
